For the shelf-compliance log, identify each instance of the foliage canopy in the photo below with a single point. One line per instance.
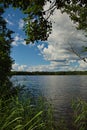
(5, 59)
(5, 44)
(37, 24)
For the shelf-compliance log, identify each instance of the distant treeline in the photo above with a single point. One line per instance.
(49, 73)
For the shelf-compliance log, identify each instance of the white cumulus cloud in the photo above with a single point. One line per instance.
(18, 40)
(64, 36)
(17, 67)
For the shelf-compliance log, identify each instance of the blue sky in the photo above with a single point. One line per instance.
(55, 54)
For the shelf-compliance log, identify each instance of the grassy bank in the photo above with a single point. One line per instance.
(25, 112)
(21, 113)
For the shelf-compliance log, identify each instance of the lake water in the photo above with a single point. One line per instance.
(59, 90)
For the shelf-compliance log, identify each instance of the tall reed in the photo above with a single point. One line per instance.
(24, 114)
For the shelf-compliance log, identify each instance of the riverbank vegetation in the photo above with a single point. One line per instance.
(28, 113)
(25, 114)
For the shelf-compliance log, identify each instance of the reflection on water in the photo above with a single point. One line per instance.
(59, 90)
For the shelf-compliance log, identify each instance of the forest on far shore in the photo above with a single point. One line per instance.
(49, 73)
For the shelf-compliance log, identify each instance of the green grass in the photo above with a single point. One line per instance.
(24, 114)
(80, 114)
(28, 113)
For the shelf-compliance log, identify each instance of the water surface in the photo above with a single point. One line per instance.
(59, 90)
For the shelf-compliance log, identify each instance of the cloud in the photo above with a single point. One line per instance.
(72, 65)
(82, 65)
(21, 24)
(18, 67)
(18, 40)
(64, 36)
(53, 66)
(40, 47)
(15, 66)
(22, 67)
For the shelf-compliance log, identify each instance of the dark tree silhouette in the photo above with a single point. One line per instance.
(5, 59)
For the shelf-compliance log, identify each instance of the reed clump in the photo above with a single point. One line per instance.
(26, 112)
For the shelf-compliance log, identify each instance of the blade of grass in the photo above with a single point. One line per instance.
(38, 114)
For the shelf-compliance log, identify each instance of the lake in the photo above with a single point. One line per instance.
(58, 90)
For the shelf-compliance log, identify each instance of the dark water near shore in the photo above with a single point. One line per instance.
(58, 90)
